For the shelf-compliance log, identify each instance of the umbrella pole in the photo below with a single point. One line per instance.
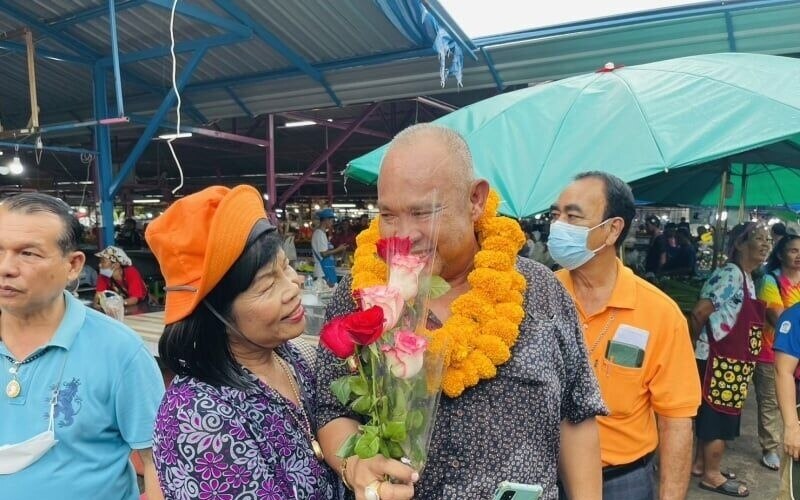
(743, 195)
(718, 237)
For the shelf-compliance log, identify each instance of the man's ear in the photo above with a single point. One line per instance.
(478, 193)
(617, 226)
(75, 260)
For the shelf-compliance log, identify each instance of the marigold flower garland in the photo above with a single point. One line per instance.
(484, 322)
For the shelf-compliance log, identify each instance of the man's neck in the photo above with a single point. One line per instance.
(594, 282)
(24, 332)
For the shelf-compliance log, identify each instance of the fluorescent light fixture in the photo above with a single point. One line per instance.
(279, 210)
(266, 197)
(297, 210)
(15, 166)
(330, 120)
(4, 170)
(344, 205)
(182, 135)
(301, 123)
(370, 207)
(146, 201)
(316, 207)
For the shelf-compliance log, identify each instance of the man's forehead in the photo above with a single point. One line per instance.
(582, 194)
(39, 227)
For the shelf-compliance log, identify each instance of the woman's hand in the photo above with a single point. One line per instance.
(374, 471)
(791, 439)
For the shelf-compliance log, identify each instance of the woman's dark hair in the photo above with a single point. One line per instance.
(738, 235)
(197, 346)
(774, 261)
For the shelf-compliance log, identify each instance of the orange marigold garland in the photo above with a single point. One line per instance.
(484, 324)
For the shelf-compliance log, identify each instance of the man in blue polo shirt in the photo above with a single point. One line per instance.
(787, 356)
(79, 390)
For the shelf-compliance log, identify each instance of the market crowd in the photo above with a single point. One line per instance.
(609, 387)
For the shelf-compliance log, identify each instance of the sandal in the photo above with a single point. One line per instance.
(727, 474)
(771, 460)
(730, 487)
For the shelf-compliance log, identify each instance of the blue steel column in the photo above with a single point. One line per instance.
(112, 20)
(104, 168)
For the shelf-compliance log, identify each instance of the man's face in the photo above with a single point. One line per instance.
(33, 270)
(420, 195)
(583, 203)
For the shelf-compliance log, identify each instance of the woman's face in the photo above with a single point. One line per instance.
(106, 263)
(269, 312)
(757, 246)
(790, 257)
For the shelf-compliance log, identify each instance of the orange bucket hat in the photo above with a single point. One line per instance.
(197, 240)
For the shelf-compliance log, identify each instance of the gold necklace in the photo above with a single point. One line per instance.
(305, 425)
(14, 387)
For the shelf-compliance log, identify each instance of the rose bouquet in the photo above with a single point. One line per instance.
(394, 380)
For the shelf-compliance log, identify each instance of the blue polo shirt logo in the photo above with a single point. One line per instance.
(69, 403)
(785, 327)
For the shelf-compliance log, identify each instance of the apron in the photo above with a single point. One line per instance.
(328, 265)
(732, 360)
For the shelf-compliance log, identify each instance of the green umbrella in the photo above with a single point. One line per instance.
(633, 121)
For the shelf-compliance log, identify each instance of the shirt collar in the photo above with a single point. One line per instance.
(624, 294)
(71, 323)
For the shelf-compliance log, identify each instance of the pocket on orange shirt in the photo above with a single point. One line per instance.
(620, 386)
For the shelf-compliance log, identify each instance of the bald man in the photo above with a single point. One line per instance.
(536, 414)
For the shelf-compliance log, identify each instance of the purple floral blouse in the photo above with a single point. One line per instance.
(222, 443)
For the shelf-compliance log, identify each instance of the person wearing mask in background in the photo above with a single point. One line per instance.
(657, 251)
(638, 343)
(323, 250)
(780, 289)
(728, 321)
(787, 356)
(118, 274)
(80, 389)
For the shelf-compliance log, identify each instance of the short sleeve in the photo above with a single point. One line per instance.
(580, 394)
(787, 332)
(319, 242)
(137, 394)
(674, 383)
(722, 286)
(770, 293)
(135, 283)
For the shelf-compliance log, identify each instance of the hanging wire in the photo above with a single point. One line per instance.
(177, 94)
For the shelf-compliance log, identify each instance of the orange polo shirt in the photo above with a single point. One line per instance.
(666, 384)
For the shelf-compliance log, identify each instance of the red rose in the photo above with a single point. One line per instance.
(336, 338)
(365, 327)
(389, 247)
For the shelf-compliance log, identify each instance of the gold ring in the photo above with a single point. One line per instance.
(372, 491)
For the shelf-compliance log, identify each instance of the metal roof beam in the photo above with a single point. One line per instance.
(64, 39)
(337, 125)
(152, 126)
(46, 54)
(277, 44)
(239, 102)
(448, 23)
(188, 46)
(731, 32)
(333, 65)
(637, 18)
(55, 149)
(205, 16)
(216, 134)
(63, 22)
(495, 75)
(284, 197)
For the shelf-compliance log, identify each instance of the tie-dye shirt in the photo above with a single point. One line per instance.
(778, 294)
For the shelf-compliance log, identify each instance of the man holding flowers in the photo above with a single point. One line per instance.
(519, 398)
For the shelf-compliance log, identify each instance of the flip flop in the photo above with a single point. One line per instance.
(726, 474)
(771, 461)
(730, 488)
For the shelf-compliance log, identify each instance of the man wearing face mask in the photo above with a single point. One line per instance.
(637, 339)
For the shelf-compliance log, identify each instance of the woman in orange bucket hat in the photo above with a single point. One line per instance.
(237, 421)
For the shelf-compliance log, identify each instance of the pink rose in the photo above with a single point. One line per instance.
(388, 299)
(406, 356)
(404, 274)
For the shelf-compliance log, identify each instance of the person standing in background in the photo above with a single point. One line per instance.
(323, 250)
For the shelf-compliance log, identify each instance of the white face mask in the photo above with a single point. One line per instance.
(107, 272)
(18, 456)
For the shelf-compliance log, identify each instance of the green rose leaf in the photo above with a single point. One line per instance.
(348, 447)
(395, 431)
(438, 287)
(341, 389)
(395, 451)
(400, 401)
(415, 420)
(384, 449)
(362, 404)
(359, 386)
(367, 445)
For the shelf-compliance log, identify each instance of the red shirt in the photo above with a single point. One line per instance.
(131, 280)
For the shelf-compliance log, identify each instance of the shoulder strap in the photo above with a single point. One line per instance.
(777, 284)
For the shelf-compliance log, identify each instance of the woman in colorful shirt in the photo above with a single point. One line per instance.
(728, 318)
(237, 421)
(780, 289)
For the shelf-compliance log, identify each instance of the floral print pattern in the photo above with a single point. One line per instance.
(221, 443)
(725, 289)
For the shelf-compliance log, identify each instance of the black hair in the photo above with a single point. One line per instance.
(739, 234)
(619, 200)
(774, 261)
(778, 229)
(198, 345)
(31, 203)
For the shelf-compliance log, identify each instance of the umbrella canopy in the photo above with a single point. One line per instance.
(632, 121)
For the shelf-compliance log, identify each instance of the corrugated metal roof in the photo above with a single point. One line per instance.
(326, 33)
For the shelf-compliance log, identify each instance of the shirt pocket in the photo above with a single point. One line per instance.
(621, 387)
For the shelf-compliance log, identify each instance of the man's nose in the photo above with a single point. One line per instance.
(8, 265)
